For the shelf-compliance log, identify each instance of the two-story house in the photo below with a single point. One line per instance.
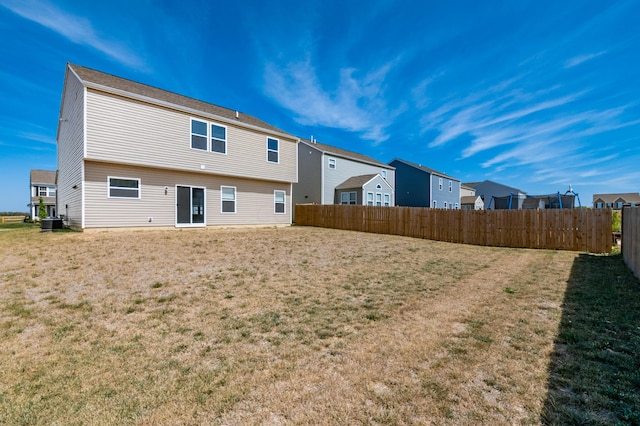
(331, 175)
(133, 155)
(42, 184)
(468, 198)
(420, 186)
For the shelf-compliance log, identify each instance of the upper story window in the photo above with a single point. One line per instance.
(440, 183)
(272, 150)
(450, 186)
(383, 174)
(218, 139)
(599, 205)
(378, 186)
(199, 135)
(215, 141)
(123, 187)
(332, 163)
(279, 201)
(42, 191)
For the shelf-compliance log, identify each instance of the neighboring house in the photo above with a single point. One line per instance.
(468, 198)
(132, 155)
(330, 175)
(498, 196)
(616, 201)
(42, 183)
(420, 186)
(471, 202)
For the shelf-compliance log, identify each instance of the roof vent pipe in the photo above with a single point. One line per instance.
(237, 115)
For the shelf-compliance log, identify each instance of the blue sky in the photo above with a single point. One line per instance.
(533, 94)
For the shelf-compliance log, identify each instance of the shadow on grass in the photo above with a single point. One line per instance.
(594, 373)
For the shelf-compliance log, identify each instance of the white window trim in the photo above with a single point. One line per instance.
(435, 204)
(383, 173)
(378, 197)
(123, 178)
(450, 186)
(445, 205)
(387, 200)
(332, 161)
(271, 150)
(235, 199)
(283, 202)
(211, 138)
(440, 184)
(367, 200)
(191, 224)
(191, 134)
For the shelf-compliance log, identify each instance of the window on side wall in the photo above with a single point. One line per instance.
(228, 199)
(378, 199)
(383, 174)
(218, 139)
(440, 183)
(123, 187)
(387, 200)
(450, 186)
(42, 191)
(272, 150)
(369, 198)
(332, 163)
(199, 134)
(435, 204)
(445, 204)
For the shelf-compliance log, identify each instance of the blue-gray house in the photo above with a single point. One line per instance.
(420, 186)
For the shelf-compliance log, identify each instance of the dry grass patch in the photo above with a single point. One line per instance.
(285, 325)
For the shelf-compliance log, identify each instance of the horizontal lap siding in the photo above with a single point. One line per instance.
(71, 152)
(255, 199)
(344, 170)
(126, 131)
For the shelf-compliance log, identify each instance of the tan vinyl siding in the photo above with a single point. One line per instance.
(71, 151)
(122, 130)
(254, 198)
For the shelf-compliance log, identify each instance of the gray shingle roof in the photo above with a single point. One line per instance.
(355, 181)
(47, 177)
(339, 152)
(426, 169)
(88, 75)
(629, 197)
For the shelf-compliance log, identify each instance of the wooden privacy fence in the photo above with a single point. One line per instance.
(631, 238)
(587, 230)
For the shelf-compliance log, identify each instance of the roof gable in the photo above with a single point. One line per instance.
(356, 181)
(629, 197)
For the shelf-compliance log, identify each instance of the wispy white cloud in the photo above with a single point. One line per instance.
(577, 60)
(357, 103)
(77, 29)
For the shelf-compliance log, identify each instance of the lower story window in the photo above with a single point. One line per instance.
(348, 197)
(369, 198)
(124, 187)
(279, 198)
(378, 199)
(387, 200)
(435, 204)
(228, 196)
